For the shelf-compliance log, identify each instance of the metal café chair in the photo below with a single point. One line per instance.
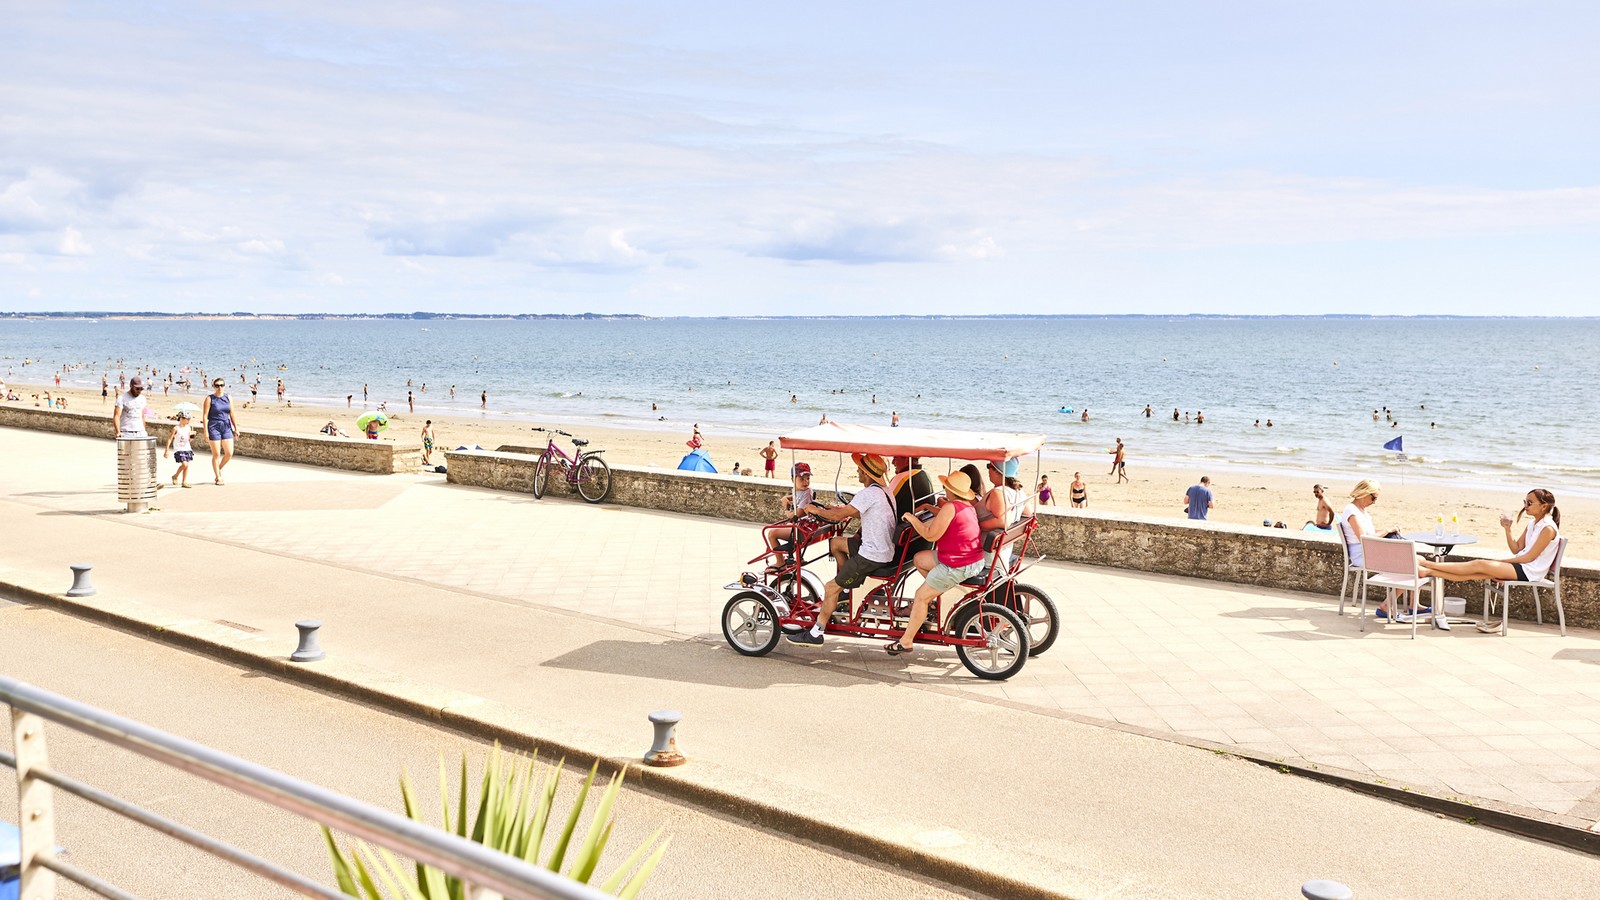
(1551, 580)
(1391, 563)
(1349, 568)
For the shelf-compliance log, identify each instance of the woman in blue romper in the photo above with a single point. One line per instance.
(220, 427)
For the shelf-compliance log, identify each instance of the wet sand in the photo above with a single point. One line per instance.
(1242, 497)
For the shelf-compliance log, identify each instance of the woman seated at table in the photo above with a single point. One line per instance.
(1355, 523)
(957, 553)
(1535, 548)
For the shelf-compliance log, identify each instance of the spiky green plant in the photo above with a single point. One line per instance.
(515, 806)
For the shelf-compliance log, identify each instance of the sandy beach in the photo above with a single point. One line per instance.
(1242, 497)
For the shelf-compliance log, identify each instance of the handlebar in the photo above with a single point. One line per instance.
(552, 431)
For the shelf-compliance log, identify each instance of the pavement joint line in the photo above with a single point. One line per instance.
(448, 708)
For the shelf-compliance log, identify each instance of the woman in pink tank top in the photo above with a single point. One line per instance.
(957, 553)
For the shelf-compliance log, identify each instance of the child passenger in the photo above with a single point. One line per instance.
(800, 498)
(179, 448)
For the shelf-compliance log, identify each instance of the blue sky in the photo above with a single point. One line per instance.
(831, 158)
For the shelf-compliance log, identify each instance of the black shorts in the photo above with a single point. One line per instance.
(856, 567)
(1521, 574)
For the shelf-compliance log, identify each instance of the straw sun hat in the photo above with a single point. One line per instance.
(957, 485)
(872, 464)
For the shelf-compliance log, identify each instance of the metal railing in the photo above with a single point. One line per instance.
(486, 872)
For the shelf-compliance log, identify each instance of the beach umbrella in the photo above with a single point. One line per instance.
(188, 409)
(380, 418)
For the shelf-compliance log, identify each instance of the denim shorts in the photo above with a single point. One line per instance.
(219, 431)
(943, 578)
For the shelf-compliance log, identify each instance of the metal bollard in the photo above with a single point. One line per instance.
(664, 752)
(1325, 890)
(309, 650)
(81, 587)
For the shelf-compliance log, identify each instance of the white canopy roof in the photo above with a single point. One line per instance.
(889, 442)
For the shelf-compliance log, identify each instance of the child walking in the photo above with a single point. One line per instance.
(179, 448)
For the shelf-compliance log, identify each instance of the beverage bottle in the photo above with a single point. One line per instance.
(1438, 525)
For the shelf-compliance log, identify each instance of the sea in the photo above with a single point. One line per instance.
(1488, 401)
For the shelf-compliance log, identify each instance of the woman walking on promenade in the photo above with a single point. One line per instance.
(220, 427)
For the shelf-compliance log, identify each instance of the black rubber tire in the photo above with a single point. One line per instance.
(1038, 612)
(996, 663)
(541, 476)
(756, 630)
(594, 479)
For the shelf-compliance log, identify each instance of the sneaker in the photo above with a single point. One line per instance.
(1489, 627)
(805, 636)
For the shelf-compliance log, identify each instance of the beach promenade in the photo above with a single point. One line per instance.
(1090, 774)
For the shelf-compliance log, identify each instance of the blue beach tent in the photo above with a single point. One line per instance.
(697, 461)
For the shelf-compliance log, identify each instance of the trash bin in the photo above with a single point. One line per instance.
(136, 471)
(10, 861)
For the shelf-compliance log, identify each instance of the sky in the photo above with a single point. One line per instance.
(695, 158)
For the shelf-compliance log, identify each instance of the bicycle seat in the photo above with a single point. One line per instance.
(579, 442)
(885, 572)
(979, 579)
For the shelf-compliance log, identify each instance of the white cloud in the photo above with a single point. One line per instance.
(73, 244)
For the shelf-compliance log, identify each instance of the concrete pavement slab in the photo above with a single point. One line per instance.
(895, 751)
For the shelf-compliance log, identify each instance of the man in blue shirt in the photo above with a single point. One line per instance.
(1199, 498)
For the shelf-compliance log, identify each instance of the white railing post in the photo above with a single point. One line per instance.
(35, 807)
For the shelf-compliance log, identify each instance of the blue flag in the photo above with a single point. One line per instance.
(1394, 445)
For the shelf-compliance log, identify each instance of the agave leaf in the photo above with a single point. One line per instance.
(560, 851)
(615, 881)
(343, 875)
(505, 808)
(392, 873)
(444, 797)
(637, 882)
(541, 819)
(362, 874)
(480, 823)
(594, 843)
(586, 864)
(517, 840)
(461, 799)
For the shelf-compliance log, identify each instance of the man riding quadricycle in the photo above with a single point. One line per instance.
(961, 550)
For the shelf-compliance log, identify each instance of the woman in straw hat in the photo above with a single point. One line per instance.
(957, 553)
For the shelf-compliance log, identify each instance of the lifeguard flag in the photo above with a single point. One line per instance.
(1394, 445)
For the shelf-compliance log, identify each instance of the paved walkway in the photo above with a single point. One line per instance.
(1514, 720)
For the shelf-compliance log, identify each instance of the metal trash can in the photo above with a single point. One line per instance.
(136, 471)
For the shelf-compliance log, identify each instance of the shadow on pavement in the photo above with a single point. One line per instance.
(1323, 632)
(1592, 657)
(696, 663)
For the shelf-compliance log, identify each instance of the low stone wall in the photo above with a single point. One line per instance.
(1274, 558)
(350, 454)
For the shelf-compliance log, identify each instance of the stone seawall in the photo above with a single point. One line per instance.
(1273, 558)
(355, 455)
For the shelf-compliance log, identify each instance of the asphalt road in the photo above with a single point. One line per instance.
(335, 743)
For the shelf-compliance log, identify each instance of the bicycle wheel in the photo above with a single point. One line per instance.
(1005, 640)
(1038, 612)
(541, 476)
(749, 623)
(594, 479)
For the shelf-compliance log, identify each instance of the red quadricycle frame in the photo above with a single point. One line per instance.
(993, 620)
